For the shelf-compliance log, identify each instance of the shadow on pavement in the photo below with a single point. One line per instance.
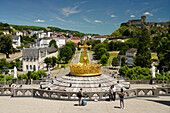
(116, 107)
(161, 102)
(76, 104)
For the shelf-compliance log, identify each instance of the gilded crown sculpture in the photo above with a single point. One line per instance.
(85, 69)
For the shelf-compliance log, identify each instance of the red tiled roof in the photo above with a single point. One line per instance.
(100, 37)
(75, 37)
(54, 37)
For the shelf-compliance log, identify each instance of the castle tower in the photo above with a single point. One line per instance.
(143, 19)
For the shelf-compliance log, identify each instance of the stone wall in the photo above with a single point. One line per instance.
(60, 95)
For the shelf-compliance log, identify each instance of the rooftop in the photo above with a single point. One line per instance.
(131, 50)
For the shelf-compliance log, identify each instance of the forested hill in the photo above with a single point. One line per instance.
(50, 29)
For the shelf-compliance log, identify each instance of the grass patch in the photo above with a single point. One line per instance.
(63, 64)
(154, 56)
(110, 60)
(81, 58)
(114, 53)
(77, 52)
(90, 51)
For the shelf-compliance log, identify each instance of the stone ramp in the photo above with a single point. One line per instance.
(89, 84)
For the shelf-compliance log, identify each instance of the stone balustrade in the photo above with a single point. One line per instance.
(62, 95)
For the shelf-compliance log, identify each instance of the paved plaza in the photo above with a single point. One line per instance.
(35, 105)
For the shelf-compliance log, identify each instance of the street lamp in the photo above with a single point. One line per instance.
(4, 69)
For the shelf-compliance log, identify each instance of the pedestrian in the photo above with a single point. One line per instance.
(31, 81)
(110, 93)
(121, 95)
(80, 96)
(114, 92)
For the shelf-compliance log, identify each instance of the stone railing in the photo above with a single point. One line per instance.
(146, 81)
(61, 95)
(22, 82)
(6, 91)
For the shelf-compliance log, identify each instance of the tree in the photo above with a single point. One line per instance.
(104, 59)
(66, 52)
(163, 51)
(123, 60)
(115, 61)
(123, 70)
(111, 45)
(53, 43)
(17, 63)
(79, 43)
(101, 52)
(54, 61)
(106, 44)
(72, 45)
(94, 42)
(143, 56)
(48, 61)
(98, 46)
(126, 32)
(6, 44)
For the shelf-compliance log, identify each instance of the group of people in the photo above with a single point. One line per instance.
(29, 81)
(112, 96)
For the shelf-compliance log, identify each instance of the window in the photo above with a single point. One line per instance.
(34, 68)
(30, 66)
(27, 67)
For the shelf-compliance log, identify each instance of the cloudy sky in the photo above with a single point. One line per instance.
(87, 16)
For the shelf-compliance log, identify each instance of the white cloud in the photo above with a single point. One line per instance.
(68, 10)
(58, 18)
(147, 13)
(51, 19)
(113, 16)
(145, 3)
(39, 20)
(86, 19)
(97, 21)
(90, 10)
(132, 16)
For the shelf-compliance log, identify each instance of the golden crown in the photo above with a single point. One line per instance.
(89, 69)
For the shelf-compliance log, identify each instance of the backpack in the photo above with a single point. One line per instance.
(121, 95)
(79, 94)
(84, 102)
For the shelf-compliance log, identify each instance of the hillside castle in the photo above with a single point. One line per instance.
(142, 22)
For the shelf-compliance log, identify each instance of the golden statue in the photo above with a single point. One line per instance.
(85, 69)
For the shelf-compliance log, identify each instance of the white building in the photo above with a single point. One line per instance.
(36, 32)
(130, 53)
(33, 58)
(44, 42)
(60, 41)
(101, 38)
(87, 37)
(16, 41)
(5, 32)
(19, 33)
(42, 35)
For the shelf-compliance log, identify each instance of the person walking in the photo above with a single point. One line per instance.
(121, 95)
(114, 92)
(80, 96)
(111, 93)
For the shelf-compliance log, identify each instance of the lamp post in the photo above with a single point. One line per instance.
(4, 69)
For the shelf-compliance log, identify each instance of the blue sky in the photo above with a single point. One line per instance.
(87, 16)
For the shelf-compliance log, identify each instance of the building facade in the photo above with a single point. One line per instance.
(33, 58)
(16, 41)
(130, 53)
(101, 38)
